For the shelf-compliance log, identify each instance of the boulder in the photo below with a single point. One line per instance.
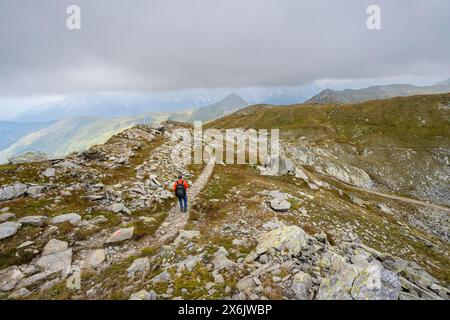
(121, 235)
(339, 284)
(37, 221)
(301, 284)
(140, 266)
(49, 172)
(288, 240)
(95, 258)
(186, 235)
(13, 191)
(19, 294)
(35, 191)
(60, 261)
(376, 283)
(162, 277)
(9, 278)
(7, 215)
(143, 295)
(72, 218)
(54, 246)
(27, 282)
(8, 229)
(280, 205)
(28, 157)
(119, 208)
(221, 261)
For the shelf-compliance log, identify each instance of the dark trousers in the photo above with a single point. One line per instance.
(183, 203)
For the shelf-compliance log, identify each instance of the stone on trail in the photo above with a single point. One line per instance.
(288, 240)
(280, 205)
(121, 235)
(8, 229)
(72, 218)
(186, 235)
(37, 221)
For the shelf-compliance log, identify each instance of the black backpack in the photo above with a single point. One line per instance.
(180, 190)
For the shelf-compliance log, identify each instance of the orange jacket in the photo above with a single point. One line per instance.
(186, 186)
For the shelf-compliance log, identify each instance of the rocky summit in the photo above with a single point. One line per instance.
(355, 208)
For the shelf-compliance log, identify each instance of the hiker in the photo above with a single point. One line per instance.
(180, 187)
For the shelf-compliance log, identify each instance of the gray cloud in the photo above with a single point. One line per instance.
(177, 44)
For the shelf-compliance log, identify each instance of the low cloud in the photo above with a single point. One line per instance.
(169, 45)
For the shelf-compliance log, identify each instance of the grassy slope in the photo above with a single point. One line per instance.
(415, 121)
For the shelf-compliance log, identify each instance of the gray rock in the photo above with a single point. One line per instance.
(60, 261)
(72, 218)
(245, 283)
(7, 215)
(49, 172)
(356, 200)
(9, 278)
(121, 235)
(279, 204)
(119, 207)
(162, 277)
(301, 283)
(27, 282)
(13, 191)
(221, 261)
(95, 258)
(54, 246)
(139, 266)
(143, 295)
(18, 294)
(37, 221)
(35, 191)
(186, 235)
(8, 229)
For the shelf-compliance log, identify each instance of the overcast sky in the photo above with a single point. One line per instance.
(151, 45)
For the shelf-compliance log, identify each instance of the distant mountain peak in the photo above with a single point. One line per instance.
(377, 92)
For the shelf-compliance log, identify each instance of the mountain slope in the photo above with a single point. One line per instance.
(75, 134)
(378, 92)
(399, 145)
(226, 106)
(11, 132)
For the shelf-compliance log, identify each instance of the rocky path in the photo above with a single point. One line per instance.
(395, 197)
(177, 220)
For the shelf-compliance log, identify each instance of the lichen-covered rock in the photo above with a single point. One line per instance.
(376, 283)
(288, 240)
(301, 283)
